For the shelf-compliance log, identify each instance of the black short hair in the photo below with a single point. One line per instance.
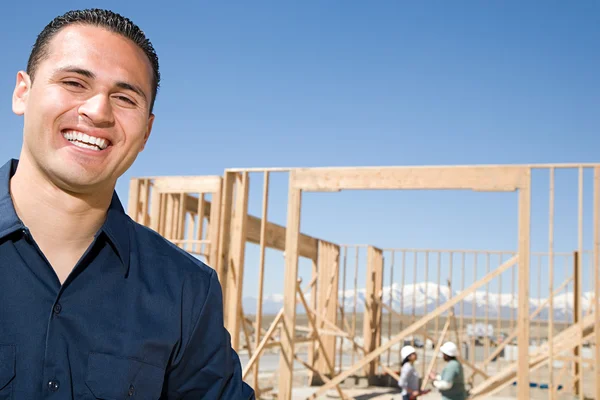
(101, 18)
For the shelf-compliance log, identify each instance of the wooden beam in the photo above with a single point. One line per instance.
(481, 178)
(596, 266)
(261, 272)
(286, 357)
(235, 276)
(414, 327)
(275, 238)
(436, 351)
(188, 184)
(222, 266)
(372, 313)
(523, 284)
(327, 301)
(579, 282)
(551, 377)
(274, 234)
(562, 342)
(261, 346)
(577, 317)
(214, 223)
(133, 203)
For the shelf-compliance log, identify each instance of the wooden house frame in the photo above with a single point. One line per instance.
(164, 204)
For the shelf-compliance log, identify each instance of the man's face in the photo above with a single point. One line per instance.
(86, 114)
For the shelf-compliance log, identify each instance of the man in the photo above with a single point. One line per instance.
(93, 304)
(451, 382)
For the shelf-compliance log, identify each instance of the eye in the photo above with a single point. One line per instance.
(73, 84)
(126, 100)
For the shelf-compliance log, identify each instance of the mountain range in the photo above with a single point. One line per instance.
(423, 297)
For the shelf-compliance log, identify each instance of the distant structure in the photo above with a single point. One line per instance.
(512, 349)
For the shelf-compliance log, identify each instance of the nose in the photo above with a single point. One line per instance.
(98, 110)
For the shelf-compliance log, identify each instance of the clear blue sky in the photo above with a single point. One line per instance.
(337, 83)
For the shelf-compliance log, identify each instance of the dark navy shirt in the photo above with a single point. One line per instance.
(136, 318)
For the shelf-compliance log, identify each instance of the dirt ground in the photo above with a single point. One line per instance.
(269, 362)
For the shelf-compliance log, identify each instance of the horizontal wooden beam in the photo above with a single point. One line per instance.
(275, 234)
(188, 184)
(480, 178)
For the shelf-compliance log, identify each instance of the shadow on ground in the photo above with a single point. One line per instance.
(373, 395)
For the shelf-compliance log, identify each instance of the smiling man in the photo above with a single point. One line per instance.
(95, 306)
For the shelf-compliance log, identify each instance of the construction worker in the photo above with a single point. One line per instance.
(451, 382)
(409, 377)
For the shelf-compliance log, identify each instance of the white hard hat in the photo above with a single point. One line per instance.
(449, 349)
(407, 351)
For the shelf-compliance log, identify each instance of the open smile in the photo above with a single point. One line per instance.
(85, 141)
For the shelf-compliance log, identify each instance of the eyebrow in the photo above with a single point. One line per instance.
(89, 74)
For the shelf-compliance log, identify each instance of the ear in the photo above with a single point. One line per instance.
(148, 130)
(21, 93)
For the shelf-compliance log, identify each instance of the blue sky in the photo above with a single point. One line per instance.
(336, 83)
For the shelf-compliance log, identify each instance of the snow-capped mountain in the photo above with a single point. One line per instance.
(423, 298)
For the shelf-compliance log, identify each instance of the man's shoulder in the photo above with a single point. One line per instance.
(453, 367)
(159, 253)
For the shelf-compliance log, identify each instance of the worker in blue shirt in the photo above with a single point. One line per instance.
(95, 306)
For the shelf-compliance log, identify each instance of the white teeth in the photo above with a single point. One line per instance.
(86, 141)
(86, 146)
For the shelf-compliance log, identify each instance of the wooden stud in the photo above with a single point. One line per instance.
(577, 320)
(224, 245)
(372, 314)
(523, 312)
(473, 312)
(214, 225)
(596, 267)
(425, 330)
(286, 358)
(235, 275)
(261, 273)
(354, 305)
(579, 280)
(391, 298)
(133, 204)
(486, 348)
(327, 302)
(551, 392)
(342, 308)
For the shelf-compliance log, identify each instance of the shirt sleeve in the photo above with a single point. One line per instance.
(208, 367)
(442, 385)
(446, 380)
(403, 381)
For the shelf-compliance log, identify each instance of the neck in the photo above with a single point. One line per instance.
(53, 214)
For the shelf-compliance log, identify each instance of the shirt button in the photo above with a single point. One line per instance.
(53, 385)
(131, 390)
(57, 308)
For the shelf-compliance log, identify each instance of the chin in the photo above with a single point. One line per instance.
(77, 182)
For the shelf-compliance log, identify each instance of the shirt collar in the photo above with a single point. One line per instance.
(9, 221)
(116, 227)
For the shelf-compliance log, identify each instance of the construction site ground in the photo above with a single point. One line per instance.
(358, 388)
